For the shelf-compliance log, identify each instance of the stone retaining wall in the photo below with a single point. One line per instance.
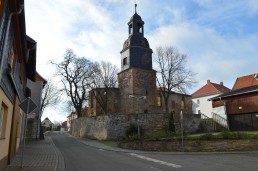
(114, 126)
(194, 146)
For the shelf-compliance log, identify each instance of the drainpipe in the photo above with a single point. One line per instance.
(6, 36)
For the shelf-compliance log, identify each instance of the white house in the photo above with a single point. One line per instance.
(200, 99)
(47, 123)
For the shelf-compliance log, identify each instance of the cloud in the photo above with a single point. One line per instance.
(210, 54)
(219, 37)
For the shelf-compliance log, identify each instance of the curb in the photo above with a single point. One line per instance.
(60, 165)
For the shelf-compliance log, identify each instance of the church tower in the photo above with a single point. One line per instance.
(137, 79)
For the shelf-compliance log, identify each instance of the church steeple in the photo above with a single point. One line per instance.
(137, 77)
(136, 51)
(136, 24)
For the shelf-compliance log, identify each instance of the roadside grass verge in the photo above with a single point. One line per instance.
(168, 136)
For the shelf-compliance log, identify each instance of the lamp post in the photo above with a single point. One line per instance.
(138, 111)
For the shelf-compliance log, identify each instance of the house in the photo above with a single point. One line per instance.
(47, 124)
(201, 103)
(64, 126)
(137, 91)
(17, 66)
(70, 118)
(242, 104)
(36, 87)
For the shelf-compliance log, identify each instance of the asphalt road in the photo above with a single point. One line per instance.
(81, 157)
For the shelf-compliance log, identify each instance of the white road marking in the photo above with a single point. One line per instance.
(101, 149)
(156, 161)
(155, 168)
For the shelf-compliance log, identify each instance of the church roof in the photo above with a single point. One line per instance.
(210, 89)
(136, 17)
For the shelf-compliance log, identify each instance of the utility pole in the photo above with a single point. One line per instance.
(138, 111)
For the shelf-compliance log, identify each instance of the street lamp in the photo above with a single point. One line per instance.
(138, 111)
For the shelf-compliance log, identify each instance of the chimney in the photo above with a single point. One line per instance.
(208, 81)
(221, 83)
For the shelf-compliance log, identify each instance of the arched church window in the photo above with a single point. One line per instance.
(173, 104)
(183, 103)
(159, 100)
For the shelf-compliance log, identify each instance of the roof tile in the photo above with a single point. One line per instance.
(246, 81)
(210, 89)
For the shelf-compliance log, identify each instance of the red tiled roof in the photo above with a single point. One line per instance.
(210, 89)
(246, 81)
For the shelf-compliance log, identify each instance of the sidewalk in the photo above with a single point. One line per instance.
(39, 155)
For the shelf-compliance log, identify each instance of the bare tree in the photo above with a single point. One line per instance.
(172, 72)
(50, 95)
(76, 76)
(105, 80)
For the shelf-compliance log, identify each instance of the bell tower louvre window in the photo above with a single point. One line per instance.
(130, 29)
(125, 61)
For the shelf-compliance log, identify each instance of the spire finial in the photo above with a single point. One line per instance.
(135, 7)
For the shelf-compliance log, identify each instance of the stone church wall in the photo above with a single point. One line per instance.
(114, 126)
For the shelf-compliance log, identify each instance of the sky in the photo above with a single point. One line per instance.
(219, 37)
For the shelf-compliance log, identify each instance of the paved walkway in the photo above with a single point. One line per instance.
(40, 155)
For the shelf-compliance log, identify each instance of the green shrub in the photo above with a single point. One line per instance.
(237, 135)
(207, 136)
(132, 131)
(155, 136)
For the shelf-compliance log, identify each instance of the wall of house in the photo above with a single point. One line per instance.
(242, 104)
(115, 126)
(220, 111)
(6, 128)
(242, 112)
(204, 106)
(16, 130)
(36, 91)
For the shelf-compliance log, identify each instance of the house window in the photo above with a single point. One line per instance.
(199, 111)
(198, 101)
(3, 120)
(125, 62)
(13, 57)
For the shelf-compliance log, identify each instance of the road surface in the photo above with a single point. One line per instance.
(81, 157)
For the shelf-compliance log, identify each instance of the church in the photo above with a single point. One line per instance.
(137, 91)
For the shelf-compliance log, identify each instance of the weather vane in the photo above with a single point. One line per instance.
(135, 4)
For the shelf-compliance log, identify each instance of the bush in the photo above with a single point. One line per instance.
(155, 136)
(237, 135)
(132, 132)
(207, 136)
